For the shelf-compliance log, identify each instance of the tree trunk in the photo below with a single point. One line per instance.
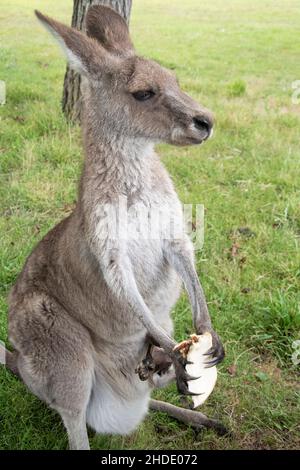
(71, 100)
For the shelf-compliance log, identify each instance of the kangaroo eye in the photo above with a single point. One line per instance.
(143, 95)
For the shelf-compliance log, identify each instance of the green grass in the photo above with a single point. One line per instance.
(239, 58)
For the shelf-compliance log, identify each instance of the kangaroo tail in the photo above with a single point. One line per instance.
(9, 359)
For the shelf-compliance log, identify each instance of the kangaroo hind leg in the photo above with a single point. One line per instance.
(55, 361)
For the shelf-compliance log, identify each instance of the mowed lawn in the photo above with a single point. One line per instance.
(239, 58)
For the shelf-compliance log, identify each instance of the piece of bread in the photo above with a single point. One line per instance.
(208, 376)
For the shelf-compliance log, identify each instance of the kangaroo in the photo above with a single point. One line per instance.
(88, 306)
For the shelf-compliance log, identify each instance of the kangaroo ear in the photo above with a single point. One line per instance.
(109, 29)
(85, 55)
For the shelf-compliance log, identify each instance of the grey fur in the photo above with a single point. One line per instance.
(84, 306)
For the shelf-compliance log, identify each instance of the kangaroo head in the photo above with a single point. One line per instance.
(127, 94)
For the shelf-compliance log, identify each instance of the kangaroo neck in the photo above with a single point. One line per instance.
(114, 162)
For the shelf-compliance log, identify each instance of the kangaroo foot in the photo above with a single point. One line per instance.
(193, 418)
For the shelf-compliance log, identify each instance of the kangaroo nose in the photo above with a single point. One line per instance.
(203, 124)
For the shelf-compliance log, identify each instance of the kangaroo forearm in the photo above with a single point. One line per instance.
(145, 315)
(183, 264)
(120, 278)
(201, 317)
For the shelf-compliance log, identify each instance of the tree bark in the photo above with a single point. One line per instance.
(71, 100)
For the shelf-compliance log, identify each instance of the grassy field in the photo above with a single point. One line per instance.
(239, 58)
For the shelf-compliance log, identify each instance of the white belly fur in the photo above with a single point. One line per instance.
(109, 414)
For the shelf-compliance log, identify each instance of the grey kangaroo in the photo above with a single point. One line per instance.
(88, 306)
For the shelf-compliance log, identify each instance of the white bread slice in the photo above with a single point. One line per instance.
(208, 377)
